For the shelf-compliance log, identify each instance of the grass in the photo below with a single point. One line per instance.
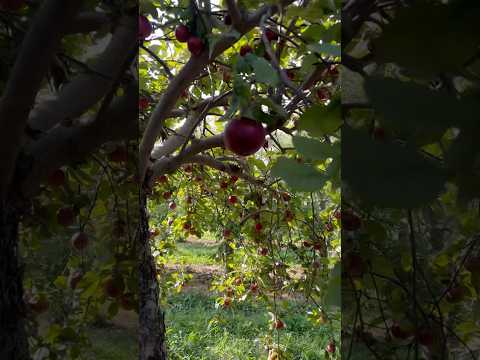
(112, 344)
(197, 330)
(194, 253)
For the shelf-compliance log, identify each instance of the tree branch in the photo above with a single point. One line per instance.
(37, 50)
(87, 22)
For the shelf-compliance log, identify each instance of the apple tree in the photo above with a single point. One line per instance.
(240, 107)
(410, 165)
(68, 199)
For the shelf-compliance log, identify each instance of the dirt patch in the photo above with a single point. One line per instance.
(202, 275)
(204, 242)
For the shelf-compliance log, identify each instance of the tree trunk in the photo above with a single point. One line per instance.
(13, 337)
(152, 319)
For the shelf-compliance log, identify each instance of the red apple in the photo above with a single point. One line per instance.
(80, 240)
(145, 28)
(286, 196)
(75, 278)
(56, 178)
(254, 287)
(143, 103)
(278, 324)
(234, 179)
(66, 216)
(113, 287)
(182, 33)
(263, 251)
(163, 179)
(307, 244)
(223, 185)
(350, 221)
(167, 195)
(258, 227)
(172, 205)
(271, 35)
(227, 233)
(323, 94)
(118, 155)
(227, 302)
(244, 136)
(331, 348)
(289, 215)
(245, 49)
(195, 45)
(329, 227)
(232, 199)
(187, 226)
(189, 168)
(237, 281)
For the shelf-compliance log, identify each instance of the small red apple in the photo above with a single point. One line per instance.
(195, 45)
(232, 199)
(286, 196)
(145, 28)
(258, 227)
(329, 227)
(331, 348)
(244, 136)
(289, 216)
(278, 324)
(307, 244)
(263, 251)
(271, 35)
(80, 240)
(254, 287)
(223, 185)
(189, 168)
(189, 199)
(167, 195)
(333, 70)
(114, 286)
(182, 33)
(227, 233)
(227, 302)
(323, 94)
(143, 103)
(56, 178)
(162, 179)
(234, 179)
(245, 49)
(187, 226)
(66, 216)
(172, 205)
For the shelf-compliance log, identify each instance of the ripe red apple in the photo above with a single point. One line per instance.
(337, 215)
(278, 324)
(400, 333)
(238, 281)
(66, 216)
(234, 179)
(244, 136)
(286, 196)
(56, 178)
(329, 227)
(333, 70)
(162, 179)
(263, 251)
(127, 302)
(118, 155)
(198, 178)
(113, 287)
(12, 5)
(245, 49)
(354, 265)
(187, 226)
(232, 199)
(425, 337)
(455, 294)
(271, 35)
(172, 205)
(223, 185)
(258, 227)
(189, 199)
(254, 287)
(38, 304)
(227, 302)
(167, 195)
(318, 246)
(143, 103)
(195, 45)
(75, 278)
(145, 28)
(289, 215)
(323, 94)
(331, 348)
(291, 74)
(350, 221)
(227, 233)
(227, 20)
(182, 33)
(80, 240)
(307, 244)
(189, 168)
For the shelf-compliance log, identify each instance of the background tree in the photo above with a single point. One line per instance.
(214, 77)
(410, 210)
(68, 110)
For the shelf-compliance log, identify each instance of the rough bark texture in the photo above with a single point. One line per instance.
(152, 319)
(13, 339)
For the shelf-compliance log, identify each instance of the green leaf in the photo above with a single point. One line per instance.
(320, 120)
(60, 282)
(388, 175)
(314, 149)
(264, 72)
(326, 49)
(300, 177)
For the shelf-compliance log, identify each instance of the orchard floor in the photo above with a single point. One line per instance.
(196, 329)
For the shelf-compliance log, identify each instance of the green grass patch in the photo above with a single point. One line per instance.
(197, 330)
(112, 343)
(194, 254)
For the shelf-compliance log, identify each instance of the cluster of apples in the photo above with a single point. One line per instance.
(194, 43)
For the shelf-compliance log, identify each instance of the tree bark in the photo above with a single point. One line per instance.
(152, 319)
(13, 338)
